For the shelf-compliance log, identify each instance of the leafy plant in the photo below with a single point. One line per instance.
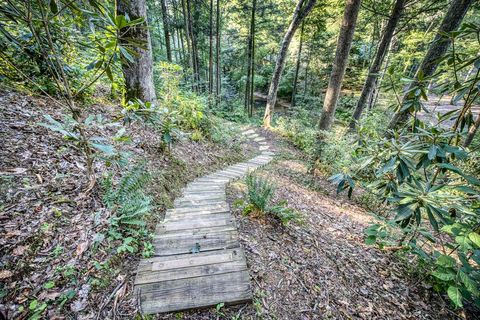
(259, 196)
(129, 205)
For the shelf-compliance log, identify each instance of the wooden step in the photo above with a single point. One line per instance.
(194, 292)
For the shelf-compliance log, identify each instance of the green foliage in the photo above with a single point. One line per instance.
(260, 194)
(130, 206)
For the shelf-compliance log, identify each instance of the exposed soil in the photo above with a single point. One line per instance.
(48, 223)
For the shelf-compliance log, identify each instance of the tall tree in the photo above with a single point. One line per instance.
(454, 16)
(302, 9)
(297, 67)
(370, 81)
(166, 29)
(250, 58)
(139, 72)
(217, 63)
(210, 52)
(352, 7)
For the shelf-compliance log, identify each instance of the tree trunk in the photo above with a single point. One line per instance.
(340, 63)
(471, 132)
(248, 84)
(139, 73)
(217, 64)
(194, 55)
(302, 9)
(166, 30)
(369, 86)
(210, 54)
(188, 38)
(297, 67)
(437, 49)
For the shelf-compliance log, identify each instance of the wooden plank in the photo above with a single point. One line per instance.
(218, 267)
(192, 232)
(214, 207)
(194, 292)
(194, 217)
(196, 259)
(146, 264)
(198, 238)
(173, 215)
(182, 225)
(196, 203)
(186, 247)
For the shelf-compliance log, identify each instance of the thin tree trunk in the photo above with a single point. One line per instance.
(382, 50)
(297, 67)
(251, 34)
(187, 36)
(194, 55)
(306, 74)
(210, 54)
(139, 73)
(471, 132)
(437, 49)
(302, 9)
(166, 30)
(340, 63)
(217, 64)
(252, 65)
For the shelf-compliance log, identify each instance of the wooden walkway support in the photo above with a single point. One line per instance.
(198, 260)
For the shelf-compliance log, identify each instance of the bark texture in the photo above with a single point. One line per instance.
(297, 67)
(250, 58)
(340, 63)
(454, 16)
(302, 9)
(370, 82)
(166, 29)
(218, 78)
(139, 73)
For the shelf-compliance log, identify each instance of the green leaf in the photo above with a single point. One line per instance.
(107, 149)
(470, 284)
(446, 261)
(455, 295)
(443, 276)
(49, 285)
(475, 238)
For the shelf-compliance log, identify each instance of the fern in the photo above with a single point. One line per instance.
(128, 202)
(260, 192)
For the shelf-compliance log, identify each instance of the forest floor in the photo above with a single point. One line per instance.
(321, 268)
(318, 269)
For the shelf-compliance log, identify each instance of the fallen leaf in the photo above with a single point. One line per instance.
(81, 248)
(19, 251)
(4, 274)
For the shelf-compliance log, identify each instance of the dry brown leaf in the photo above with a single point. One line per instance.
(19, 251)
(82, 246)
(4, 274)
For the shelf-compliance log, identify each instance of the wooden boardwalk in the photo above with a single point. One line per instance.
(198, 261)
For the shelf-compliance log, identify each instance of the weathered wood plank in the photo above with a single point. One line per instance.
(217, 267)
(205, 245)
(195, 292)
(184, 225)
(195, 231)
